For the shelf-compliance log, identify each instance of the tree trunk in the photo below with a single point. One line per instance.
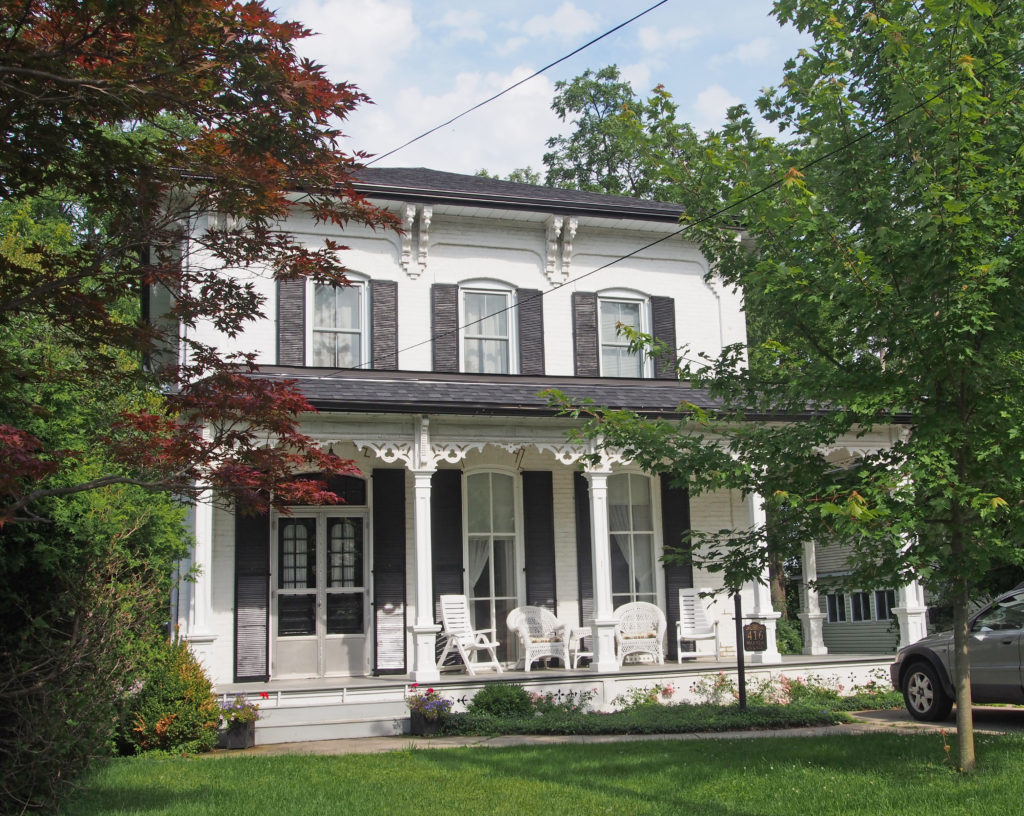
(777, 583)
(966, 760)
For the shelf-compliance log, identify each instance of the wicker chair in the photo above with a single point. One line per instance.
(462, 637)
(540, 633)
(640, 629)
(695, 624)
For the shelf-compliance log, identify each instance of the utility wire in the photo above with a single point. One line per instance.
(516, 85)
(885, 123)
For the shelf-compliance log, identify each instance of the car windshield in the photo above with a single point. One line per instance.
(1006, 613)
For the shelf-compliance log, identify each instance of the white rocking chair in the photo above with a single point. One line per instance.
(540, 633)
(695, 624)
(462, 637)
(640, 629)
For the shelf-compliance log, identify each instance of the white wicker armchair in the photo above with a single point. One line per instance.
(540, 634)
(640, 629)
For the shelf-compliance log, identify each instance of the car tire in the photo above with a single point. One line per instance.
(923, 693)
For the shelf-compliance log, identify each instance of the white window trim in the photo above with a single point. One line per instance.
(656, 520)
(626, 296)
(489, 287)
(365, 352)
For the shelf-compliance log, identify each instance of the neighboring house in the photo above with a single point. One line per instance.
(428, 372)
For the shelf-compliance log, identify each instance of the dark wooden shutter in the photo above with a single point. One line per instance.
(389, 570)
(252, 597)
(384, 323)
(584, 554)
(530, 308)
(539, 533)
(444, 306)
(663, 328)
(446, 540)
(675, 522)
(291, 322)
(584, 332)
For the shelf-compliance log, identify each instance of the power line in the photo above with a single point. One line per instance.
(516, 85)
(885, 123)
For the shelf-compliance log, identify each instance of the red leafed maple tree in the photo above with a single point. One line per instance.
(186, 130)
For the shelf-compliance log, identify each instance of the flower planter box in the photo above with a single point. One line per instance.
(420, 726)
(240, 735)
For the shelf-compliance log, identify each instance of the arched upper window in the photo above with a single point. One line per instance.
(488, 328)
(628, 309)
(340, 336)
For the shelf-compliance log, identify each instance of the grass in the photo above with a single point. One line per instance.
(870, 774)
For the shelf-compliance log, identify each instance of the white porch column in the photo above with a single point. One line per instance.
(912, 613)
(763, 611)
(812, 618)
(195, 609)
(424, 630)
(603, 625)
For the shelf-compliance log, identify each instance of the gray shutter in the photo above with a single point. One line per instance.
(384, 325)
(539, 534)
(663, 328)
(389, 570)
(446, 540)
(584, 557)
(252, 597)
(444, 309)
(291, 322)
(584, 332)
(530, 308)
(675, 522)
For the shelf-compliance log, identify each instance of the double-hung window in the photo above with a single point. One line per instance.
(339, 326)
(631, 528)
(617, 360)
(835, 605)
(488, 332)
(885, 600)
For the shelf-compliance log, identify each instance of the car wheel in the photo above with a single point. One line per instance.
(923, 694)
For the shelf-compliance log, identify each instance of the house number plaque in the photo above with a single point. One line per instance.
(755, 637)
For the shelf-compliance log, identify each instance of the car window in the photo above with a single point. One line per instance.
(1005, 614)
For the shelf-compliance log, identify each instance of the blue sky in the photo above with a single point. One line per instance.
(422, 62)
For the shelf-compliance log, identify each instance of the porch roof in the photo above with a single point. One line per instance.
(330, 389)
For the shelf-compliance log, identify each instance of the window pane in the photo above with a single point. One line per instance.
(479, 574)
(296, 615)
(345, 552)
(495, 356)
(345, 613)
(297, 555)
(504, 567)
(618, 361)
(323, 349)
(643, 564)
(347, 305)
(478, 499)
(640, 492)
(620, 566)
(323, 307)
(504, 501)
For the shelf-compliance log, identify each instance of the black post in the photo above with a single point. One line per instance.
(741, 675)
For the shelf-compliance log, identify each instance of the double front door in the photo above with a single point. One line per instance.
(321, 604)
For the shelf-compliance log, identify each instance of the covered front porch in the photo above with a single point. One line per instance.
(305, 710)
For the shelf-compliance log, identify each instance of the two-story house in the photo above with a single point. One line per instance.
(428, 371)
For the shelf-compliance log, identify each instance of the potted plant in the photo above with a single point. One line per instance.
(238, 718)
(426, 710)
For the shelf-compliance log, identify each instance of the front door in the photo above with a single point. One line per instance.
(320, 598)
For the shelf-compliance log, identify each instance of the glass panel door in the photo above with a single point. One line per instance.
(631, 528)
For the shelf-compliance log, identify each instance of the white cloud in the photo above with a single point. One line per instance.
(659, 39)
(639, 76)
(511, 45)
(359, 41)
(567, 21)
(501, 136)
(464, 25)
(754, 51)
(710, 106)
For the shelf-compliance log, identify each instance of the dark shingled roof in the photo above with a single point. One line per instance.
(476, 394)
(418, 184)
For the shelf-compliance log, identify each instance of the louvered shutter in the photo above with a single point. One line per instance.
(291, 322)
(446, 539)
(539, 534)
(663, 328)
(252, 597)
(384, 331)
(584, 555)
(530, 308)
(584, 332)
(389, 570)
(444, 306)
(675, 522)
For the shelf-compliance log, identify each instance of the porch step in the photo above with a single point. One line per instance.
(295, 721)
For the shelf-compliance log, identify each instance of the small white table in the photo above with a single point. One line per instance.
(576, 636)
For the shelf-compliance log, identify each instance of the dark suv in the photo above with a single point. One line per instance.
(923, 670)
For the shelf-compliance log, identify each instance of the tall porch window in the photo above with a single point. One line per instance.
(631, 525)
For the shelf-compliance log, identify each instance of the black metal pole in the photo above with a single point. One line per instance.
(741, 674)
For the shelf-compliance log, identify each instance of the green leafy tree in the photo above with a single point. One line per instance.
(881, 270)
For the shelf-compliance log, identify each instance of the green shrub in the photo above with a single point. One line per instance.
(789, 637)
(175, 708)
(501, 700)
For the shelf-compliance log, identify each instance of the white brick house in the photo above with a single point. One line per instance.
(428, 372)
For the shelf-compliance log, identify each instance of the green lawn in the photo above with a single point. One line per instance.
(876, 774)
